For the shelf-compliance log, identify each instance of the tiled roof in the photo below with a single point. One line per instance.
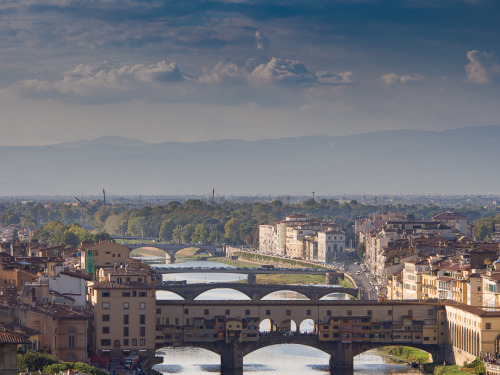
(76, 274)
(12, 338)
(61, 311)
(114, 285)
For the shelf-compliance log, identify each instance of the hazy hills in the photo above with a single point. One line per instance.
(393, 162)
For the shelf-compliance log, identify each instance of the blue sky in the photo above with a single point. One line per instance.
(201, 70)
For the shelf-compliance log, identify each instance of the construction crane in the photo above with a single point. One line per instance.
(84, 205)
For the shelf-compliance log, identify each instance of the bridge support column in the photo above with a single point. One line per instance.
(251, 279)
(342, 357)
(231, 359)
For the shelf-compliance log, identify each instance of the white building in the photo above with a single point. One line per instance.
(331, 243)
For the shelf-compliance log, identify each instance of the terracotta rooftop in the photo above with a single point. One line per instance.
(114, 285)
(12, 338)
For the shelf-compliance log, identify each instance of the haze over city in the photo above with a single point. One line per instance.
(161, 71)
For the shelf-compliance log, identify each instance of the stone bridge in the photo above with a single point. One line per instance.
(342, 329)
(256, 292)
(171, 250)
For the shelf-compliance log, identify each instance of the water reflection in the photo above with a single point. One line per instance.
(276, 360)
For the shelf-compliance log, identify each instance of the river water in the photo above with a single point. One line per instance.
(287, 359)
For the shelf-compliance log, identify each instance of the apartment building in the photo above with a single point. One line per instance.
(331, 243)
(124, 317)
(297, 237)
(103, 254)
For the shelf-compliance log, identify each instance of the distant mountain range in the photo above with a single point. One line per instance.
(461, 161)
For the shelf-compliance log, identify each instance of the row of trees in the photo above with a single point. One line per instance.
(40, 362)
(55, 232)
(485, 227)
(195, 220)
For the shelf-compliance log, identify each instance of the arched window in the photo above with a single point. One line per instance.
(71, 338)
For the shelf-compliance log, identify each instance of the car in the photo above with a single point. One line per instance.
(358, 272)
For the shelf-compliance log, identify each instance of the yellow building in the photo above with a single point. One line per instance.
(124, 317)
(102, 254)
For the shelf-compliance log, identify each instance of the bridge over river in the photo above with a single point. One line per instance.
(256, 292)
(342, 329)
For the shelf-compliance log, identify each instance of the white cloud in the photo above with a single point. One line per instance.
(91, 80)
(482, 67)
(224, 71)
(261, 41)
(281, 70)
(393, 78)
(335, 78)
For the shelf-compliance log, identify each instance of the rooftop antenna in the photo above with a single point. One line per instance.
(213, 195)
(104, 195)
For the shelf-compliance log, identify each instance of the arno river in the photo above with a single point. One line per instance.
(288, 359)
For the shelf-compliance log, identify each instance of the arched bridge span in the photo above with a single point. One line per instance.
(258, 291)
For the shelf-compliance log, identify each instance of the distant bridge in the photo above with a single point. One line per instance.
(171, 250)
(256, 292)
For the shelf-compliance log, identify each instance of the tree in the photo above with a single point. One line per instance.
(360, 250)
(231, 231)
(177, 233)
(166, 230)
(28, 222)
(63, 366)
(32, 361)
(187, 233)
(200, 233)
(15, 236)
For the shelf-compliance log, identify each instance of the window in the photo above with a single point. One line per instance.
(143, 342)
(105, 318)
(125, 305)
(308, 312)
(134, 293)
(328, 312)
(125, 294)
(143, 294)
(142, 331)
(158, 310)
(71, 338)
(125, 331)
(349, 312)
(488, 325)
(142, 319)
(105, 305)
(227, 312)
(142, 306)
(134, 342)
(105, 294)
(186, 311)
(410, 312)
(125, 342)
(389, 312)
(205, 312)
(125, 319)
(369, 313)
(106, 342)
(268, 312)
(288, 312)
(127, 279)
(247, 312)
(105, 330)
(119, 280)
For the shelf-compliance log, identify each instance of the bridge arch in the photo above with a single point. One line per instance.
(297, 295)
(307, 326)
(206, 293)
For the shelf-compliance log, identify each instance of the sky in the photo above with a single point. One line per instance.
(200, 70)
